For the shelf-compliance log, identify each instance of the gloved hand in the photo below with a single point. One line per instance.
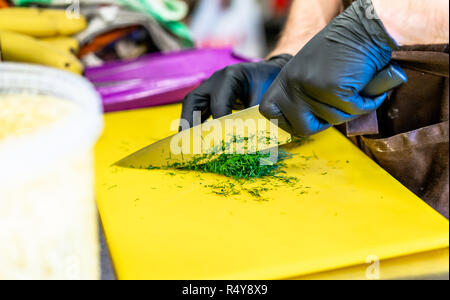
(321, 85)
(231, 88)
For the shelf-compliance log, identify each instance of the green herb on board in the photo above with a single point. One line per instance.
(224, 189)
(112, 187)
(257, 192)
(153, 168)
(242, 169)
(237, 166)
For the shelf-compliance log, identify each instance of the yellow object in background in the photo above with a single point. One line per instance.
(18, 47)
(40, 22)
(64, 43)
(166, 224)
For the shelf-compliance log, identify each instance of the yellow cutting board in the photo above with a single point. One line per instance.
(343, 210)
(420, 266)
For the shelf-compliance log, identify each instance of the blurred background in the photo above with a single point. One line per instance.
(141, 43)
(252, 27)
(123, 29)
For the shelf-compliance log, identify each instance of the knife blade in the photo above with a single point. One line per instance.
(184, 146)
(249, 125)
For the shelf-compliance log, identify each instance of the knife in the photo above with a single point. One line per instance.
(184, 146)
(391, 77)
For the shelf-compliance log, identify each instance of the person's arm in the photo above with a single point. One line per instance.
(323, 84)
(306, 19)
(412, 22)
(248, 82)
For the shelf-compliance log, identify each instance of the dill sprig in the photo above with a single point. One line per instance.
(237, 166)
(241, 168)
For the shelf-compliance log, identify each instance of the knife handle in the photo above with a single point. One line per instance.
(389, 78)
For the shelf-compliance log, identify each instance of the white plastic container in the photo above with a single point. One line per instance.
(48, 217)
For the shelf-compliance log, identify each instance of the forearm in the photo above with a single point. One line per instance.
(413, 22)
(306, 19)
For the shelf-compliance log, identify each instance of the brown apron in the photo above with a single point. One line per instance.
(413, 144)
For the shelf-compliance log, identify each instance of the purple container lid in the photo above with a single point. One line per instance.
(157, 79)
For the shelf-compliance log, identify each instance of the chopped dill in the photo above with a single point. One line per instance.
(242, 168)
(224, 189)
(153, 168)
(237, 166)
(112, 187)
(257, 191)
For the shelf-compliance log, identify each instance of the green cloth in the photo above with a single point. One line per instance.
(166, 14)
(25, 2)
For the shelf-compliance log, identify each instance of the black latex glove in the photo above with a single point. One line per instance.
(237, 86)
(321, 85)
